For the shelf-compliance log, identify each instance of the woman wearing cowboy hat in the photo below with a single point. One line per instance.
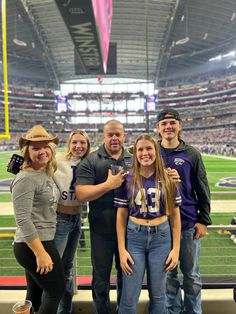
(34, 201)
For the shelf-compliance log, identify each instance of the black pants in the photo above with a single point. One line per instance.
(82, 242)
(44, 291)
(103, 249)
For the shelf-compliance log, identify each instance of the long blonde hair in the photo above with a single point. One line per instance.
(51, 166)
(68, 154)
(167, 183)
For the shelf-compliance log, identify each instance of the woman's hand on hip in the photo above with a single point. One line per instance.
(44, 263)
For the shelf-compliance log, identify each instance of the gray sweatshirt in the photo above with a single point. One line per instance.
(34, 200)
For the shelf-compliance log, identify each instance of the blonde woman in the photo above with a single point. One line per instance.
(69, 210)
(34, 200)
(148, 227)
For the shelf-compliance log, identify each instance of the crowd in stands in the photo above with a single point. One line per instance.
(210, 124)
(27, 84)
(198, 78)
(212, 141)
(199, 90)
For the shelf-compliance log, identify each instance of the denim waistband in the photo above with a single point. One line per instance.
(148, 229)
(72, 216)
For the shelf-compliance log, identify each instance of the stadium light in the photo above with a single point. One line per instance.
(19, 42)
(182, 41)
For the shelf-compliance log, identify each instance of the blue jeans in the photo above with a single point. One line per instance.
(103, 248)
(149, 247)
(68, 231)
(188, 261)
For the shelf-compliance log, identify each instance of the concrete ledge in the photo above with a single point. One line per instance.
(214, 301)
(217, 206)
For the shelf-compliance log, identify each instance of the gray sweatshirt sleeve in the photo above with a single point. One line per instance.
(23, 190)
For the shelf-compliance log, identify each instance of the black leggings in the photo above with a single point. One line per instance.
(44, 291)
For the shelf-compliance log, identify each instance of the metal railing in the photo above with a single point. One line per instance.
(217, 259)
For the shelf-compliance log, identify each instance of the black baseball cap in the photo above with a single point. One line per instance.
(168, 113)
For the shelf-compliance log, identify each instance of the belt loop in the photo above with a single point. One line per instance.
(156, 227)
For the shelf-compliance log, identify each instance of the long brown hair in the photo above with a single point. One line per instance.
(167, 183)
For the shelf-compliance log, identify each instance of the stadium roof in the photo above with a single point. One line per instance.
(156, 39)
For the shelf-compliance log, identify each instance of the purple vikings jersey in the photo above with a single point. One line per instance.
(154, 198)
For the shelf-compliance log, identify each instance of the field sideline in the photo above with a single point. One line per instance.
(221, 173)
(218, 156)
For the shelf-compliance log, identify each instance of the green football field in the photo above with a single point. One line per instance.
(218, 253)
(219, 170)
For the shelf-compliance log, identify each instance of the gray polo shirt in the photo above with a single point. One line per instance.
(34, 201)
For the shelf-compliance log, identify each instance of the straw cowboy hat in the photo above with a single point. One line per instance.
(37, 134)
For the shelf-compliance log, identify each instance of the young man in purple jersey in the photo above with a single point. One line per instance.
(194, 210)
(146, 239)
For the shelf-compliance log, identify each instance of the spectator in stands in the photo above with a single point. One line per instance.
(69, 210)
(145, 200)
(96, 184)
(34, 201)
(195, 210)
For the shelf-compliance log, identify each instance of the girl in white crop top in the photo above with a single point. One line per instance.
(68, 228)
